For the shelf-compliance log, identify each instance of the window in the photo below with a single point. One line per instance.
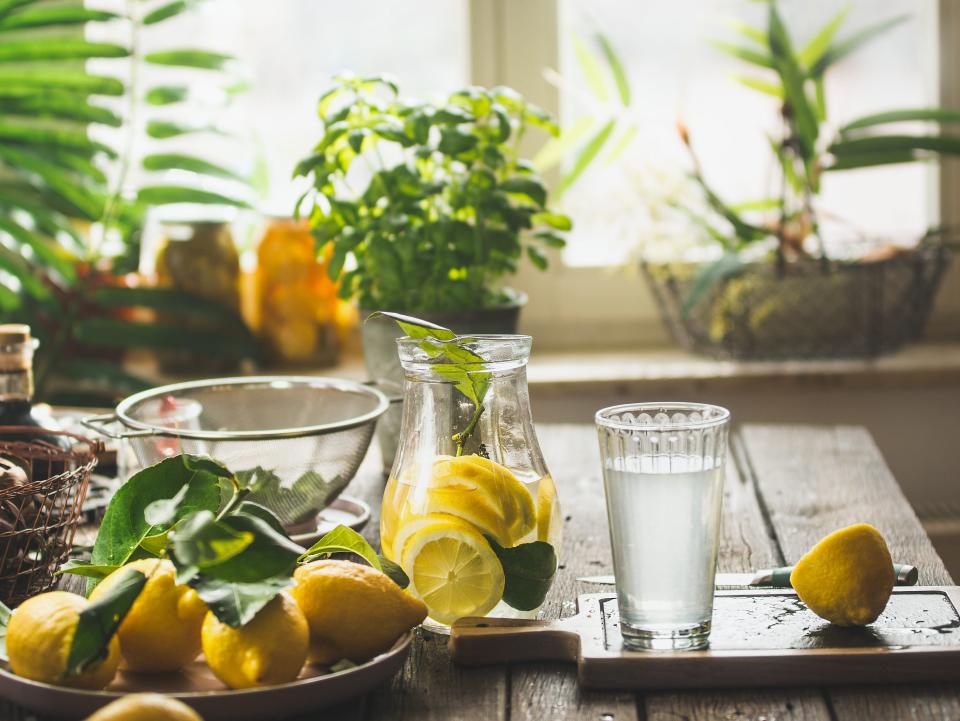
(288, 52)
(676, 74)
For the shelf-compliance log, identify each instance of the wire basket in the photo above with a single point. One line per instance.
(295, 441)
(39, 515)
(846, 310)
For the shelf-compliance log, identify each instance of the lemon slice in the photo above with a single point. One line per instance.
(484, 493)
(453, 570)
(546, 500)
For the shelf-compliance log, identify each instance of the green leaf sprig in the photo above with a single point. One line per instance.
(234, 552)
(458, 363)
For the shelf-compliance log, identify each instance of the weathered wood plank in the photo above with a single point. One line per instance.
(813, 480)
(745, 545)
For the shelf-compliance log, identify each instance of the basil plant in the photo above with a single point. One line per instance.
(430, 201)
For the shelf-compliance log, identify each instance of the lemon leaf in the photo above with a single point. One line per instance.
(125, 525)
(237, 603)
(528, 571)
(4, 620)
(394, 572)
(342, 539)
(98, 622)
(84, 568)
(202, 541)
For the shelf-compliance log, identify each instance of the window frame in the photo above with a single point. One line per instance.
(611, 307)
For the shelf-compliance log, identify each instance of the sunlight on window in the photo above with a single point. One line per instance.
(676, 75)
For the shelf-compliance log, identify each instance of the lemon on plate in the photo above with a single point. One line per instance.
(269, 649)
(847, 578)
(145, 707)
(453, 569)
(39, 636)
(161, 632)
(353, 611)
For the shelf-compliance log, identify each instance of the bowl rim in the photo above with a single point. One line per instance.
(124, 407)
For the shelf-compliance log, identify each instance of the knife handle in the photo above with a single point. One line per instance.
(906, 575)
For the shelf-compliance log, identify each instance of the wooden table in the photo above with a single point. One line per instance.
(786, 487)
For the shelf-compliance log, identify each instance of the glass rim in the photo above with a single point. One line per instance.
(603, 419)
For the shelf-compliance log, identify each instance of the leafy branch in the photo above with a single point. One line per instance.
(457, 363)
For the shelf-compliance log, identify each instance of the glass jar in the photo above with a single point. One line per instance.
(469, 504)
(297, 300)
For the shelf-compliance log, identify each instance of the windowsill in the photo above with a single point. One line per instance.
(558, 372)
(626, 371)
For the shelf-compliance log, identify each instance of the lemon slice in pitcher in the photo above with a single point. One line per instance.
(485, 494)
(453, 570)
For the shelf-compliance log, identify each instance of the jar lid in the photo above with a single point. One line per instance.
(12, 333)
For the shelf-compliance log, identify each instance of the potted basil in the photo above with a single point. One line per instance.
(425, 208)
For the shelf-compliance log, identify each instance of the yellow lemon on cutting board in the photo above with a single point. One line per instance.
(483, 493)
(847, 577)
(39, 635)
(161, 632)
(269, 649)
(145, 707)
(353, 611)
(453, 569)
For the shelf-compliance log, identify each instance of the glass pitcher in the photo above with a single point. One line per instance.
(470, 511)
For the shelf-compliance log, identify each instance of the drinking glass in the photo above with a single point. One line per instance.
(663, 477)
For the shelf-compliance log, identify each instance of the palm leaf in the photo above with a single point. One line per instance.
(855, 161)
(946, 144)
(8, 6)
(801, 115)
(44, 79)
(843, 48)
(179, 161)
(43, 17)
(754, 57)
(753, 34)
(45, 248)
(170, 300)
(87, 203)
(59, 105)
(115, 333)
(163, 129)
(58, 48)
(818, 45)
(168, 194)
(17, 266)
(586, 155)
(166, 94)
(60, 137)
(591, 69)
(766, 87)
(616, 68)
(936, 115)
(202, 59)
(165, 11)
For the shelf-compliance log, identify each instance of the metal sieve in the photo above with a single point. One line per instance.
(296, 441)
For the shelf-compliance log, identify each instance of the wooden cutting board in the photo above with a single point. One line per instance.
(759, 638)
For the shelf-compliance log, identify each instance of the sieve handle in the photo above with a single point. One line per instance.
(100, 424)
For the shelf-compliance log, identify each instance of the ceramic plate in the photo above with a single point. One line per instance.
(199, 688)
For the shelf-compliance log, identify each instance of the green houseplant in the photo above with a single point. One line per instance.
(424, 208)
(780, 285)
(70, 219)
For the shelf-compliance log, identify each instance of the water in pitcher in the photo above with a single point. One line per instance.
(665, 523)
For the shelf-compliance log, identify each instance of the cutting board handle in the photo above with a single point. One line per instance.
(483, 641)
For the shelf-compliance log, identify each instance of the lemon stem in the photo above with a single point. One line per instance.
(461, 438)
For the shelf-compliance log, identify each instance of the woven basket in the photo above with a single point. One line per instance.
(805, 310)
(38, 519)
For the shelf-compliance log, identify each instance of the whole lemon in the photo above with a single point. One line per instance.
(269, 649)
(354, 611)
(161, 632)
(39, 636)
(145, 707)
(847, 577)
